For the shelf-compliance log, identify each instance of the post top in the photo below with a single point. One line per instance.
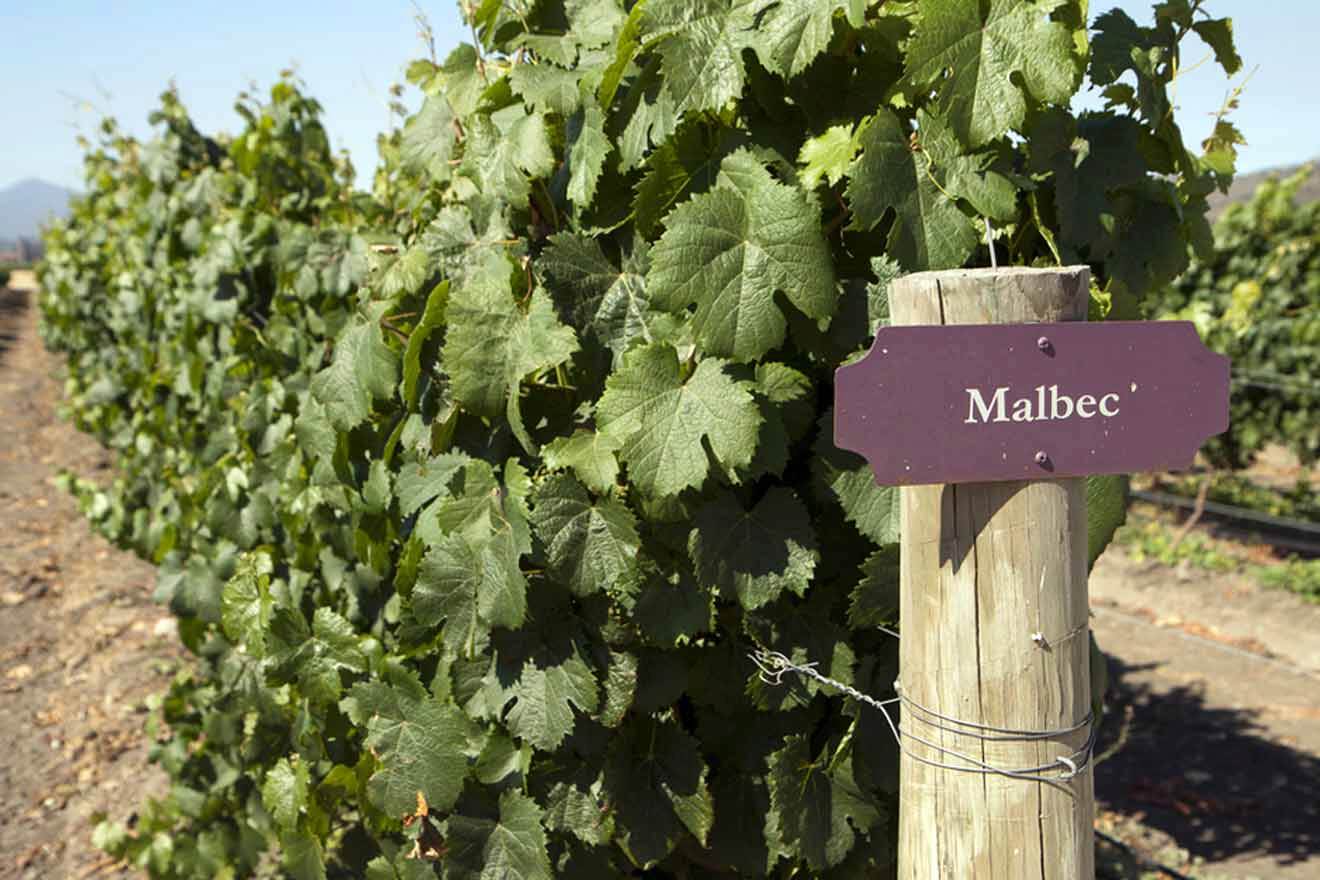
(1001, 272)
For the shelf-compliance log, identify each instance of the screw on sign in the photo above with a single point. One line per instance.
(988, 401)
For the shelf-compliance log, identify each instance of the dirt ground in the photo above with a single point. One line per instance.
(1217, 707)
(1219, 775)
(81, 643)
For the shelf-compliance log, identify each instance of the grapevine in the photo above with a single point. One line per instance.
(475, 493)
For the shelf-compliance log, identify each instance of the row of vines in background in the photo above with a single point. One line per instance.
(1256, 298)
(473, 493)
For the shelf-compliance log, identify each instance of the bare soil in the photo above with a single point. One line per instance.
(1217, 705)
(81, 643)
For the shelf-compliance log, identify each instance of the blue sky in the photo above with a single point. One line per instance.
(64, 62)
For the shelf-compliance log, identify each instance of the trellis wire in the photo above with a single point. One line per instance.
(773, 665)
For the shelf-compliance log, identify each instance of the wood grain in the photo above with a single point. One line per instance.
(985, 567)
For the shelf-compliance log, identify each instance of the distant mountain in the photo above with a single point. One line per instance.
(1245, 184)
(27, 204)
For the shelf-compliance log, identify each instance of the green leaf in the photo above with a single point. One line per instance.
(1106, 510)
(620, 688)
(701, 43)
(284, 793)
(874, 601)
(428, 138)
(420, 481)
(756, 554)
(586, 157)
(794, 32)
(547, 88)
(433, 318)
(671, 607)
(470, 587)
(661, 419)
(315, 656)
(929, 231)
(828, 155)
(362, 369)
(846, 479)
(729, 250)
(577, 810)
(815, 804)
(493, 343)
(377, 491)
(424, 747)
(656, 779)
(976, 54)
(686, 163)
(625, 48)
(608, 301)
(245, 604)
(542, 714)
(464, 78)
(590, 454)
(512, 848)
(506, 150)
(590, 544)
(1218, 35)
(303, 856)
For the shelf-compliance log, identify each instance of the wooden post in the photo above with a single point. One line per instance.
(994, 616)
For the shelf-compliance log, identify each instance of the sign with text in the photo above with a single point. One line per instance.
(988, 402)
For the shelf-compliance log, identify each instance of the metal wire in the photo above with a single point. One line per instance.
(773, 665)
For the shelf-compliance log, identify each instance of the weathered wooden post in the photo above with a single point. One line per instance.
(989, 430)
(985, 567)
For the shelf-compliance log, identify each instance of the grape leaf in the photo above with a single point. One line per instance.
(420, 481)
(794, 32)
(586, 158)
(756, 554)
(607, 300)
(424, 747)
(701, 42)
(815, 803)
(727, 251)
(507, 149)
(315, 655)
(246, 603)
(590, 545)
(548, 88)
(975, 51)
(656, 780)
(428, 138)
(542, 713)
(661, 419)
(433, 318)
(284, 793)
(1106, 510)
(492, 343)
(1218, 35)
(874, 601)
(469, 587)
(512, 848)
(303, 856)
(591, 455)
(828, 155)
(846, 479)
(929, 230)
(362, 368)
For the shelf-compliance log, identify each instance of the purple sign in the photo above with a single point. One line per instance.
(988, 402)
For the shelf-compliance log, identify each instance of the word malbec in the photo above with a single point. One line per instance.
(1086, 406)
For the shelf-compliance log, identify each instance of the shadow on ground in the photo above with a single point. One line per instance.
(12, 305)
(1207, 776)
